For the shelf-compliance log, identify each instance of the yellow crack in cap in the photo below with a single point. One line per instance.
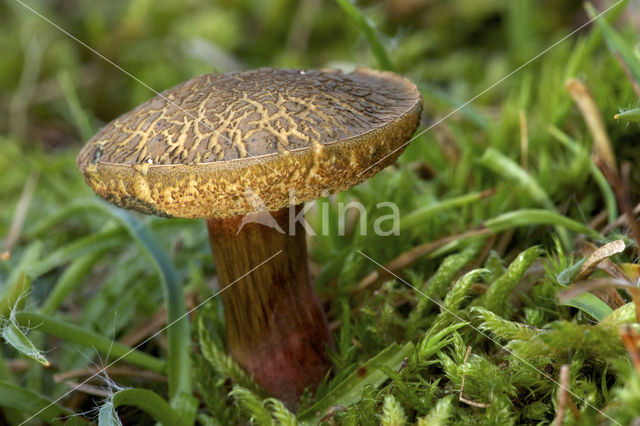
(197, 149)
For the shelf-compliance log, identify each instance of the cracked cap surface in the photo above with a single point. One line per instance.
(222, 145)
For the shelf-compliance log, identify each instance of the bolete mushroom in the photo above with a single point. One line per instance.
(211, 146)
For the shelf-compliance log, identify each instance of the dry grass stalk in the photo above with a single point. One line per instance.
(461, 397)
(409, 257)
(622, 191)
(631, 340)
(564, 399)
(599, 255)
(18, 218)
(524, 141)
(111, 371)
(627, 72)
(591, 114)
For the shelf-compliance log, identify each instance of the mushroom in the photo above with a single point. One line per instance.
(218, 146)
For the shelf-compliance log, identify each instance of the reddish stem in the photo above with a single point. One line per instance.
(276, 327)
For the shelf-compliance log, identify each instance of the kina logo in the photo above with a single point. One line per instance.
(259, 213)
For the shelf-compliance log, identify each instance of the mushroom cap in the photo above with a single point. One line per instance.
(222, 145)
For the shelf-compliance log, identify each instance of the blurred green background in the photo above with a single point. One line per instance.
(55, 93)
(455, 45)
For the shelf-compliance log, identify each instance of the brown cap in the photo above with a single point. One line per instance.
(198, 149)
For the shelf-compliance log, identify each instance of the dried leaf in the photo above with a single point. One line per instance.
(598, 256)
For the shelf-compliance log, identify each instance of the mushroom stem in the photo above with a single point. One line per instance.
(276, 327)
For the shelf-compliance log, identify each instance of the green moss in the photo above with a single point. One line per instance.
(495, 293)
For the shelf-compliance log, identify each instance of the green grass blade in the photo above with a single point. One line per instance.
(72, 278)
(625, 314)
(436, 95)
(615, 43)
(607, 193)
(103, 240)
(509, 169)
(78, 113)
(178, 332)
(567, 275)
(349, 390)
(77, 208)
(107, 416)
(14, 336)
(76, 334)
(629, 115)
(529, 217)
(369, 32)
(18, 282)
(16, 294)
(42, 226)
(179, 362)
(206, 420)
(418, 216)
(27, 401)
(149, 402)
(589, 304)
